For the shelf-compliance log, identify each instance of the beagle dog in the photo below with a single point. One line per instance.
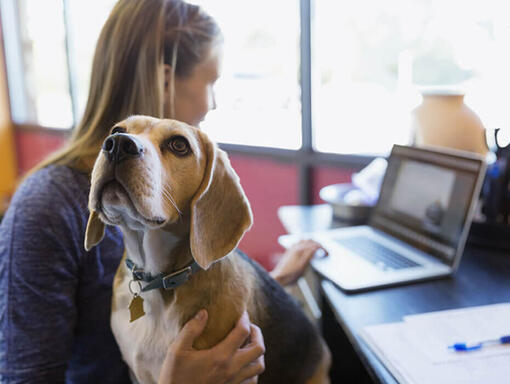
(182, 212)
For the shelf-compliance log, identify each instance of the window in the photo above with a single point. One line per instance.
(368, 60)
(49, 56)
(258, 94)
(371, 57)
(42, 88)
(84, 22)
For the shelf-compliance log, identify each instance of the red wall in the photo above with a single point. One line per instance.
(33, 146)
(268, 185)
(323, 176)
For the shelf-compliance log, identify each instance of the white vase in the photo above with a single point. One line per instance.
(443, 120)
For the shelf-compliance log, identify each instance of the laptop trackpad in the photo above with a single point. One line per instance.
(380, 256)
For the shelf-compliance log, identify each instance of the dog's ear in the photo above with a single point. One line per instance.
(95, 231)
(220, 211)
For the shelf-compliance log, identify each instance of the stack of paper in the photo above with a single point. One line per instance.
(416, 349)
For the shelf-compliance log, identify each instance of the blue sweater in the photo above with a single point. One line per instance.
(55, 297)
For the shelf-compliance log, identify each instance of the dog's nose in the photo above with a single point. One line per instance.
(120, 146)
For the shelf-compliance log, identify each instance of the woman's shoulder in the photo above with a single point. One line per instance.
(54, 184)
(53, 197)
(56, 176)
(51, 203)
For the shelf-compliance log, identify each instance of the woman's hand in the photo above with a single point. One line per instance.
(225, 363)
(294, 262)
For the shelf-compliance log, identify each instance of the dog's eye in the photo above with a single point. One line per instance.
(179, 145)
(118, 130)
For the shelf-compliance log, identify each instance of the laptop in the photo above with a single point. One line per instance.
(418, 228)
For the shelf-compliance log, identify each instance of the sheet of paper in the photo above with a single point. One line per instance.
(416, 350)
(470, 325)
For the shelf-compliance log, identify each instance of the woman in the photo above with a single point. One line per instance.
(153, 57)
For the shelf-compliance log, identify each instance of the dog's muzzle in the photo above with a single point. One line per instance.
(121, 146)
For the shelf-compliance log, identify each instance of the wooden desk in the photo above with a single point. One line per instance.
(483, 278)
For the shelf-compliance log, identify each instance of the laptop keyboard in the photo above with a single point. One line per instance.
(375, 253)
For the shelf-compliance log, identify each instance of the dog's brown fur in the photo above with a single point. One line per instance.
(205, 221)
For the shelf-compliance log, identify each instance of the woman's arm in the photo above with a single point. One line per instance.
(38, 281)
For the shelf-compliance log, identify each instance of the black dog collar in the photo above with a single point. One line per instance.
(165, 281)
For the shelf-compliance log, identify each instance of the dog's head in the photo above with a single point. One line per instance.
(152, 173)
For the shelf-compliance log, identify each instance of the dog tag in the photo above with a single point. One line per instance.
(136, 308)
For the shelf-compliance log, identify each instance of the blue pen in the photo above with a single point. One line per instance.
(463, 347)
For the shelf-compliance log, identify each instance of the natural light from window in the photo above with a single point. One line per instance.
(369, 60)
(258, 95)
(48, 102)
(371, 57)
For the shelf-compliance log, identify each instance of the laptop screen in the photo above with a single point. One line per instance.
(426, 198)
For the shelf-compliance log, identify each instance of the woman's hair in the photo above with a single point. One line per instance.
(127, 75)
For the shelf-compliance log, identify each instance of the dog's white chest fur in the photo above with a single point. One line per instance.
(144, 342)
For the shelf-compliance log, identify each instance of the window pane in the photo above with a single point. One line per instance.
(86, 19)
(371, 56)
(258, 94)
(42, 36)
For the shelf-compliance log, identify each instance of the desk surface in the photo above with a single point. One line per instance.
(482, 278)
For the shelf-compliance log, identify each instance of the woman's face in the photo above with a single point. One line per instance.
(194, 94)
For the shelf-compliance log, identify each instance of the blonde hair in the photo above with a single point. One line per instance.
(127, 75)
